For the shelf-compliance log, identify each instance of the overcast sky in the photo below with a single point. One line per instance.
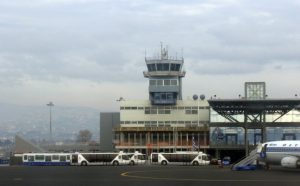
(91, 52)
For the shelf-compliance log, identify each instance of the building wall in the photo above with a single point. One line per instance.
(150, 128)
(142, 113)
(108, 121)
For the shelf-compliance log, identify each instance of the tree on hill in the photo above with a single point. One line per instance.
(84, 136)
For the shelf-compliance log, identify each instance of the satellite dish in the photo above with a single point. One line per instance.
(202, 97)
(195, 97)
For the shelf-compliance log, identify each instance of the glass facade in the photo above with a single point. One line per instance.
(283, 133)
(227, 135)
(217, 118)
(163, 67)
(163, 98)
(236, 135)
(254, 136)
(292, 116)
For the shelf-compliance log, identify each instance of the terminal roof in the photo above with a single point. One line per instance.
(230, 107)
(240, 106)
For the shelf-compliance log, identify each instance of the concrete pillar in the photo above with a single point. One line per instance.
(141, 140)
(157, 141)
(205, 138)
(264, 134)
(134, 139)
(187, 139)
(129, 141)
(217, 154)
(181, 138)
(169, 138)
(121, 138)
(246, 142)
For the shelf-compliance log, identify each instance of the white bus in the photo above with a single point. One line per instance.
(137, 158)
(180, 158)
(46, 159)
(93, 158)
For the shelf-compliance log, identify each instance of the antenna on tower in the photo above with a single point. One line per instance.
(163, 51)
(181, 53)
(167, 51)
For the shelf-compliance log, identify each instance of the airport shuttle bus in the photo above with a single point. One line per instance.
(137, 158)
(46, 159)
(180, 158)
(85, 159)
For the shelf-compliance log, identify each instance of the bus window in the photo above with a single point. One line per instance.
(55, 157)
(75, 158)
(68, 157)
(48, 158)
(205, 158)
(154, 158)
(62, 158)
(25, 157)
(125, 157)
(39, 157)
(141, 157)
(30, 158)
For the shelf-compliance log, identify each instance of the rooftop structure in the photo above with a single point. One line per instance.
(255, 90)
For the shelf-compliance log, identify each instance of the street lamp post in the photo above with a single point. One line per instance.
(50, 105)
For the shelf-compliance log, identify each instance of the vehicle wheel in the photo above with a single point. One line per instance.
(84, 163)
(131, 163)
(115, 163)
(195, 163)
(164, 162)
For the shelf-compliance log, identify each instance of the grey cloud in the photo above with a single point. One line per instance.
(223, 67)
(105, 40)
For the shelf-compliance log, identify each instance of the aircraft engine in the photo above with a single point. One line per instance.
(290, 162)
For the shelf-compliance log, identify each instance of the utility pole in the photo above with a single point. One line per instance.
(50, 105)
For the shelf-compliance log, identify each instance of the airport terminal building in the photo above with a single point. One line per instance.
(221, 127)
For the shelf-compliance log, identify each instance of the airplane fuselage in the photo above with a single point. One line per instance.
(285, 153)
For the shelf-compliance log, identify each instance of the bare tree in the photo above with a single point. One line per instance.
(84, 136)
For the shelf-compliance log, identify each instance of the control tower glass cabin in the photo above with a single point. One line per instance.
(164, 73)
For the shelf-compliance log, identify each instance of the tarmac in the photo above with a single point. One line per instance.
(154, 175)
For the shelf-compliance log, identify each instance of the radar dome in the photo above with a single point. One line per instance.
(195, 97)
(202, 97)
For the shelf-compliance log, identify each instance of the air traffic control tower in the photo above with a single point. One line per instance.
(165, 74)
(164, 122)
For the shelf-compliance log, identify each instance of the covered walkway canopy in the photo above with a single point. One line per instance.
(253, 110)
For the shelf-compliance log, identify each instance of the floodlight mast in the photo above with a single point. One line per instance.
(50, 105)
